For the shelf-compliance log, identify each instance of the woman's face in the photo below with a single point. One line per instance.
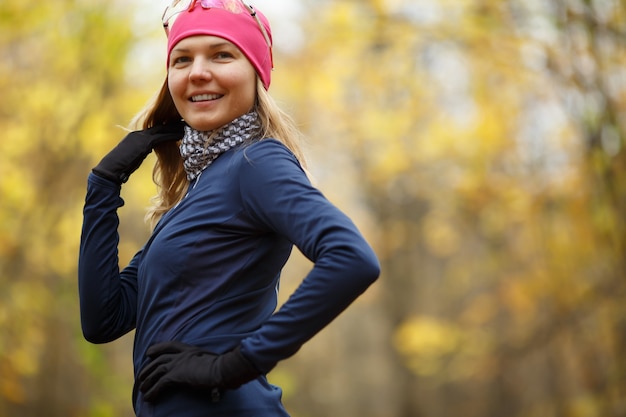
(211, 81)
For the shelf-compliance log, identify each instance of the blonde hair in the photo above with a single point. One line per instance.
(169, 174)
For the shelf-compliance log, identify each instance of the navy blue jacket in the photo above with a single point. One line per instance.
(209, 273)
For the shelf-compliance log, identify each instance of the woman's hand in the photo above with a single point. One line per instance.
(128, 155)
(176, 364)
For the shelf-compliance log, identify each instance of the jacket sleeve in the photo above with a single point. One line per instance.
(277, 193)
(108, 297)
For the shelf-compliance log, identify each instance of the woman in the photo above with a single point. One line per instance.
(233, 200)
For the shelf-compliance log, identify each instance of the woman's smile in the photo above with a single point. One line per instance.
(205, 97)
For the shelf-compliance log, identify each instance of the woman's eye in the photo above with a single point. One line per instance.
(223, 55)
(182, 59)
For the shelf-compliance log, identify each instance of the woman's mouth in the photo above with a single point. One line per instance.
(205, 97)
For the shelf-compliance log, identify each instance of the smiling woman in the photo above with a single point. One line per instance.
(233, 201)
(211, 81)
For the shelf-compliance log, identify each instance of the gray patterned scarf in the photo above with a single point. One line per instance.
(200, 149)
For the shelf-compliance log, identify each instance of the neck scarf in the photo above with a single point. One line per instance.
(200, 148)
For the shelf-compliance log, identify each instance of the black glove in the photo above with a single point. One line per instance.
(176, 364)
(128, 155)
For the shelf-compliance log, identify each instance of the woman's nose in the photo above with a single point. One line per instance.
(200, 70)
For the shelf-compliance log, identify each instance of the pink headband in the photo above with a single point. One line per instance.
(239, 28)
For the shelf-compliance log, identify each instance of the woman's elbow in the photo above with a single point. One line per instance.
(368, 267)
(97, 334)
(93, 336)
(372, 269)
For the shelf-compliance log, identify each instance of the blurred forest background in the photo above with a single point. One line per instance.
(479, 144)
